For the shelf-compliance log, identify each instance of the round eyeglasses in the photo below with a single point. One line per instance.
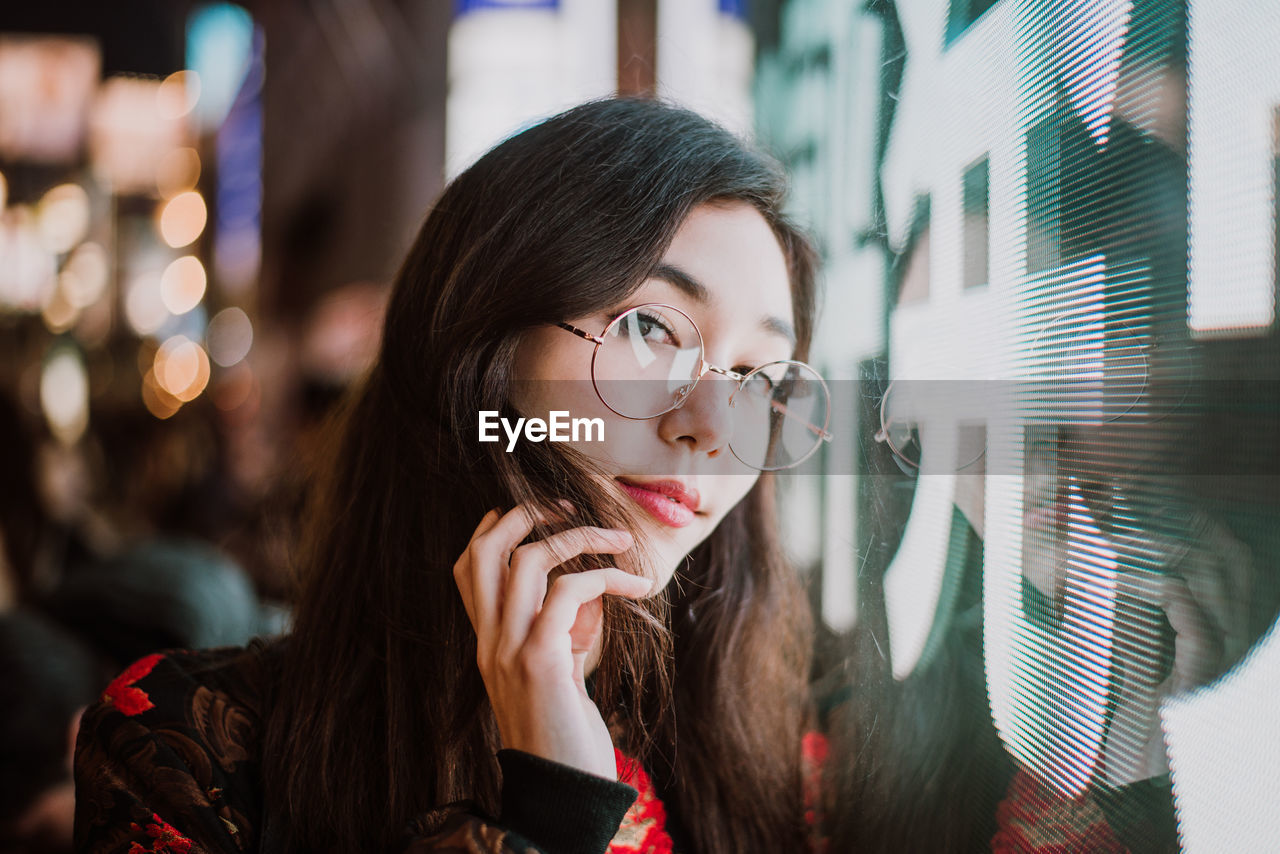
(649, 359)
(900, 431)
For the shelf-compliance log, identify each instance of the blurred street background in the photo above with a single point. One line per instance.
(202, 206)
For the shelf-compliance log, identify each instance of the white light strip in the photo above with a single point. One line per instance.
(1233, 91)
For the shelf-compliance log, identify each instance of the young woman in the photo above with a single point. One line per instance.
(491, 633)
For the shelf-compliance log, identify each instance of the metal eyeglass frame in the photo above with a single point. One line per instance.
(885, 436)
(703, 367)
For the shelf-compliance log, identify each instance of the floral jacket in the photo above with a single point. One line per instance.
(168, 761)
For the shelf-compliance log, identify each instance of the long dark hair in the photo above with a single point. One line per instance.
(380, 712)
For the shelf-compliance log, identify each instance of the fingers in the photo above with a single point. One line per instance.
(481, 570)
(462, 567)
(530, 566)
(503, 585)
(570, 592)
(1219, 574)
(531, 646)
(1197, 643)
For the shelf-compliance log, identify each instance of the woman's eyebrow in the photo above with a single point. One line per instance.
(691, 287)
(698, 292)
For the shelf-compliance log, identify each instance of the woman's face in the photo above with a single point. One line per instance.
(725, 269)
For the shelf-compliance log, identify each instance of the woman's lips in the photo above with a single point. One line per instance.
(667, 501)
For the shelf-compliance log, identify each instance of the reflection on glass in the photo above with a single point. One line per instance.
(1078, 653)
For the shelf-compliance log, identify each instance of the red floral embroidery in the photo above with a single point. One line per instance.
(813, 758)
(814, 749)
(165, 839)
(122, 694)
(1034, 819)
(644, 827)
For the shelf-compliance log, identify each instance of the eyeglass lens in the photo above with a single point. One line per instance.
(649, 362)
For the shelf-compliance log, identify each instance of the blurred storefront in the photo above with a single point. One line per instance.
(173, 215)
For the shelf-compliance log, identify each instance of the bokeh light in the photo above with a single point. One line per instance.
(144, 306)
(64, 394)
(129, 133)
(220, 49)
(27, 273)
(84, 276)
(182, 285)
(60, 313)
(94, 326)
(177, 172)
(230, 336)
(182, 368)
(64, 217)
(159, 402)
(182, 219)
(178, 94)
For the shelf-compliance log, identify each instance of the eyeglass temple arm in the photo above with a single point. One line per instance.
(581, 333)
(782, 407)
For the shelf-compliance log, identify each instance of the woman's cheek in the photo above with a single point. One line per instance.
(730, 489)
(627, 447)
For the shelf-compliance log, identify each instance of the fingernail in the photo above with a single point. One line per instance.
(619, 536)
(566, 504)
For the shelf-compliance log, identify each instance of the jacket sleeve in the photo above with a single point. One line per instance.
(546, 807)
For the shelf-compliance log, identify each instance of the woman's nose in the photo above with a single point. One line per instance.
(704, 419)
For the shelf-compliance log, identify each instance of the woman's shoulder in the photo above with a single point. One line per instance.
(160, 687)
(175, 742)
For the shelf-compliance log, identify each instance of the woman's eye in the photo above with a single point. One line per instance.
(655, 328)
(760, 383)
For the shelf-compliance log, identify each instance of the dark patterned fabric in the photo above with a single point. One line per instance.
(168, 762)
(151, 780)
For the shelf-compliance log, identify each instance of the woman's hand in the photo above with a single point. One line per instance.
(532, 646)
(1205, 595)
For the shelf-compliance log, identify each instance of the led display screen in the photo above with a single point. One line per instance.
(1065, 492)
